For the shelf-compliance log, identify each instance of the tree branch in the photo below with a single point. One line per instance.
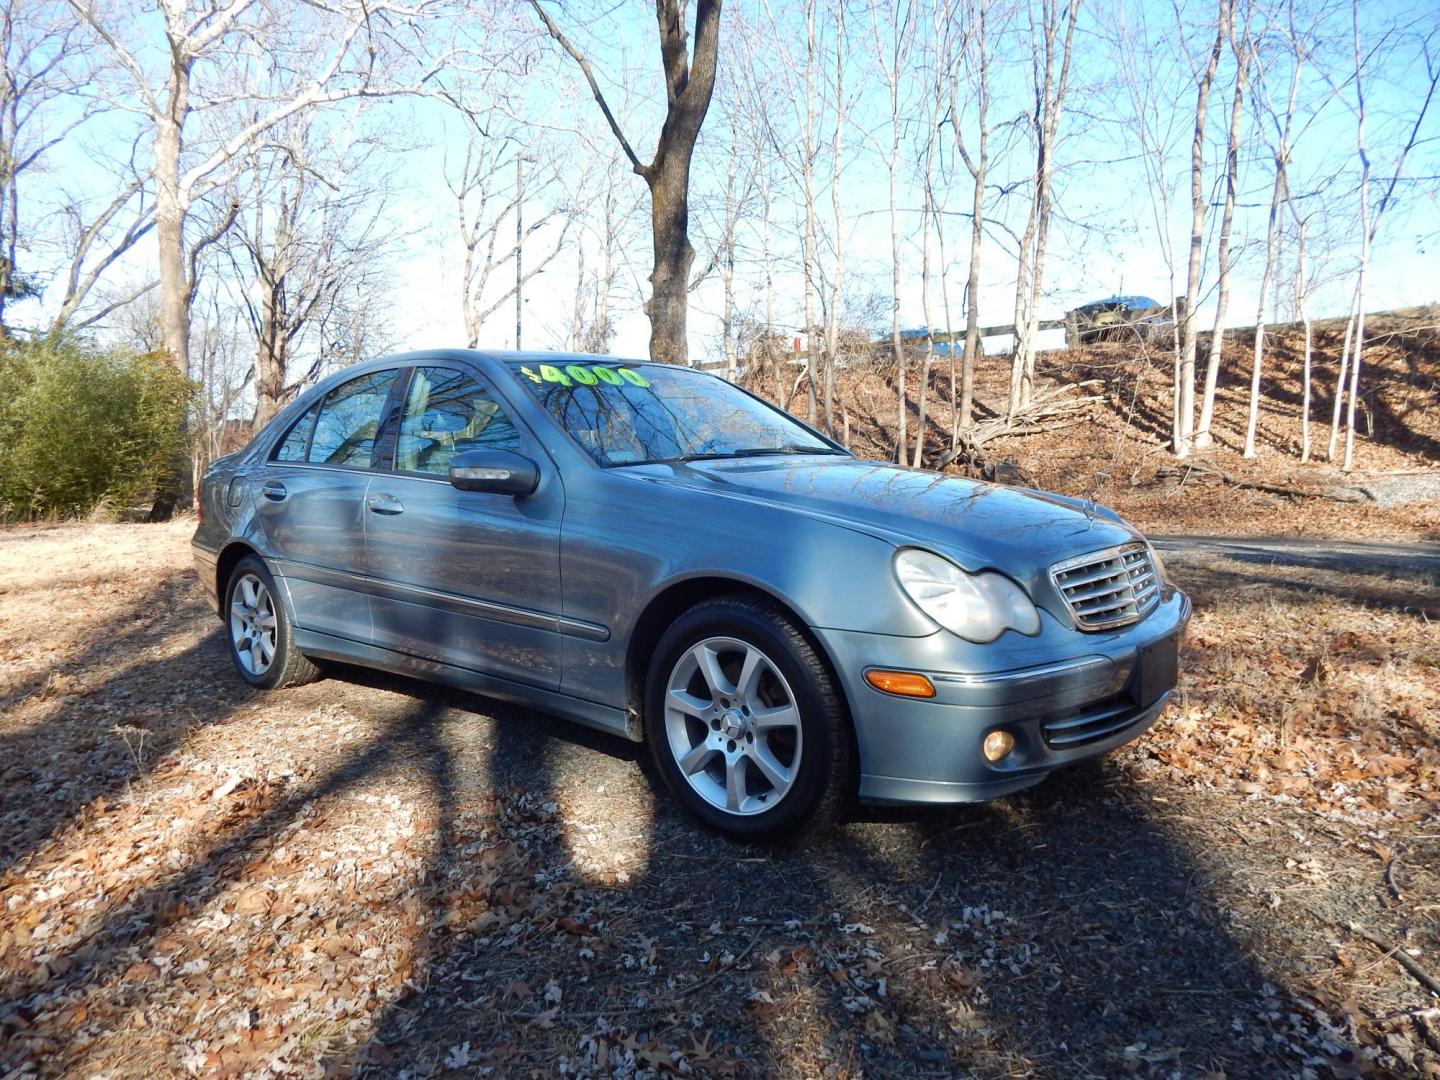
(579, 58)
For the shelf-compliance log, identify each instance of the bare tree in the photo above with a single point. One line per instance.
(312, 240)
(1370, 221)
(94, 241)
(892, 53)
(937, 103)
(792, 136)
(689, 84)
(1049, 87)
(1182, 426)
(45, 70)
(349, 37)
(1283, 121)
(977, 61)
(735, 156)
(841, 111)
(1240, 49)
(352, 39)
(603, 211)
(1302, 309)
(487, 203)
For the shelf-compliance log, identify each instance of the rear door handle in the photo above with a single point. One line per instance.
(274, 490)
(385, 504)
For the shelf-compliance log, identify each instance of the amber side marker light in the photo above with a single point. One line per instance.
(904, 683)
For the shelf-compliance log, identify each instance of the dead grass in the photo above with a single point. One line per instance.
(366, 875)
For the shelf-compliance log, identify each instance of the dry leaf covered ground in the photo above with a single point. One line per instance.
(367, 875)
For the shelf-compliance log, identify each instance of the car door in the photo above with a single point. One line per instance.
(463, 577)
(310, 497)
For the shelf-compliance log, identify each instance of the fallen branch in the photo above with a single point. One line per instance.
(1048, 413)
(1344, 495)
(1423, 977)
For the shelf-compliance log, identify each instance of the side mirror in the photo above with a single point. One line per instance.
(499, 472)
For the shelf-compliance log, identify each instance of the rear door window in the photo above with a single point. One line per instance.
(349, 421)
(447, 411)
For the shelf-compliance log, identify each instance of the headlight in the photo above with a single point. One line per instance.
(977, 607)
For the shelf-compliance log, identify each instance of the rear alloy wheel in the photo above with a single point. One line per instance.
(744, 722)
(260, 633)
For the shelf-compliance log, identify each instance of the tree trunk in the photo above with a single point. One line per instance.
(1184, 389)
(978, 170)
(1302, 308)
(1258, 358)
(670, 278)
(1203, 437)
(897, 348)
(972, 282)
(1338, 404)
(175, 284)
(837, 210)
(925, 307)
(270, 359)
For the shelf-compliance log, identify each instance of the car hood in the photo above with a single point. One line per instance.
(977, 524)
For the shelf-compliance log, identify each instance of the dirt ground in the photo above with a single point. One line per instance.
(367, 875)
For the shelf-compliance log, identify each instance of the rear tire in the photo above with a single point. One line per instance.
(745, 723)
(258, 630)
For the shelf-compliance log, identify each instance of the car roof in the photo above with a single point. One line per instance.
(510, 356)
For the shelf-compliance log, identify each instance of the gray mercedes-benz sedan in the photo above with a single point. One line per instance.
(652, 551)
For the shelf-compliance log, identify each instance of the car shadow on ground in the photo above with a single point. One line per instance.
(1065, 931)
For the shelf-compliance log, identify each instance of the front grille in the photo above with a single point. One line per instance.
(1108, 588)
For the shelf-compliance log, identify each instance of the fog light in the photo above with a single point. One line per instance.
(998, 744)
(904, 683)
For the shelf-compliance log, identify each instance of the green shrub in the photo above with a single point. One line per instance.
(83, 427)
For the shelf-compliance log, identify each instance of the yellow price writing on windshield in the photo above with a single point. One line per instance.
(585, 375)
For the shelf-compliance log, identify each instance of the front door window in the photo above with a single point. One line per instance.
(447, 411)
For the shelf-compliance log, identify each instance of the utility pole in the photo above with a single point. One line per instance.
(519, 241)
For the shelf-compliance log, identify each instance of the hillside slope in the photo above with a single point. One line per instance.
(1117, 451)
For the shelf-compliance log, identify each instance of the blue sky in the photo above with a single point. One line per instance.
(1107, 234)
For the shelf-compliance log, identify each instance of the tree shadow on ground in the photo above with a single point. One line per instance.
(1065, 931)
(109, 945)
(1061, 931)
(106, 735)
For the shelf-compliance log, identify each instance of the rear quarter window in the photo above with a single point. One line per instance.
(292, 447)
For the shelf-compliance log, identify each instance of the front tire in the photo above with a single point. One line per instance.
(260, 636)
(745, 723)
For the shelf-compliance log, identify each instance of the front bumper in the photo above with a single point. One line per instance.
(1063, 695)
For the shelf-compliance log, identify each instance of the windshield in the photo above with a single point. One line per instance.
(626, 414)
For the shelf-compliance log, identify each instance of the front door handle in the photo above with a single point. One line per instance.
(385, 504)
(274, 490)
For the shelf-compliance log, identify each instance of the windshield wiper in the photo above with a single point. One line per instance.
(789, 448)
(748, 451)
(761, 451)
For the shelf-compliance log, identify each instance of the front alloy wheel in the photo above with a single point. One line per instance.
(732, 726)
(744, 720)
